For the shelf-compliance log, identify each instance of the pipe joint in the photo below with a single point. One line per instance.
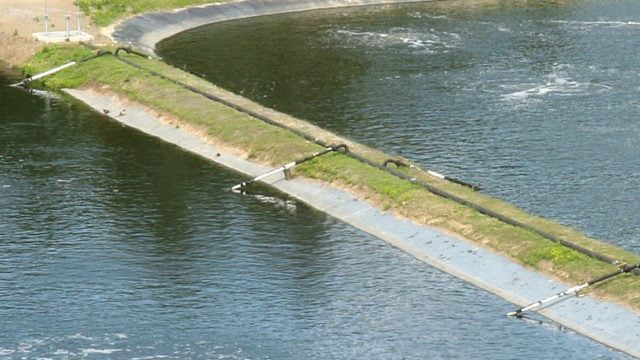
(340, 146)
(397, 162)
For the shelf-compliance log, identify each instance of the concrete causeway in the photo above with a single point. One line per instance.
(606, 322)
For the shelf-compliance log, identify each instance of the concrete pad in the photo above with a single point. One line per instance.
(62, 36)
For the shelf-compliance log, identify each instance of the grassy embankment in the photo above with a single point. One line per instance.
(105, 12)
(272, 145)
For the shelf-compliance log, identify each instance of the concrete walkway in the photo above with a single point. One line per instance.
(605, 322)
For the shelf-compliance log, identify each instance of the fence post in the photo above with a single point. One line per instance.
(68, 18)
(79, 25)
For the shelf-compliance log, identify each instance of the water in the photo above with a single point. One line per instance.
(535, 101)
(114, 245)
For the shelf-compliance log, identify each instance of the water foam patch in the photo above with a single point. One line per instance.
(91, 351)
(555, 85)
(421, 15)
(432, 41)
(6, 352)
(285, 204)
(596, 23)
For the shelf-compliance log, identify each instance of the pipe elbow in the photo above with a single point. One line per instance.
(340, 146)
(398, 163)
(123, 48)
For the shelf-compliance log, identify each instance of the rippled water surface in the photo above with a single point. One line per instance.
(536, 101)
(115, 245)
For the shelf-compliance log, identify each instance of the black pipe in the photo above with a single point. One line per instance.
(289, 166)
(463, 183)
(624, 269)
(481, 209)
(398, 163)
(340, 146)
(98, 54)
(491, 213)
(130, 50)
(127, 49)
(329, 149)
(401, 163)
(574, 290)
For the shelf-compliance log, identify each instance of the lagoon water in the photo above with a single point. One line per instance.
(539, 102)
(115, 245)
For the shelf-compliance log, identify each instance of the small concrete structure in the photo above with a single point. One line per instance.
(67, 35)
(62, 36)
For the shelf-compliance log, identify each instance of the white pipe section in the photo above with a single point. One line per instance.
(541, 303)
(267, 174)
(46, 73)
(284, 167)
(438, 175)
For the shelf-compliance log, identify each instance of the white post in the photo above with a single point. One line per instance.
(46, 73)
(46, 18)
(79, 26)
(68, 18)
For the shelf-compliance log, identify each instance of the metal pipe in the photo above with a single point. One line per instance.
(60, 68)
(44, 74)
(130, 50)
(398, 163)
(289, 166)
(573, 290)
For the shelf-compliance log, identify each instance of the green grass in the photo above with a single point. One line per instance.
(105, 12)
(275, 146)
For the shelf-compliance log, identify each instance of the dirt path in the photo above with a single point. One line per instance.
(20, 18)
